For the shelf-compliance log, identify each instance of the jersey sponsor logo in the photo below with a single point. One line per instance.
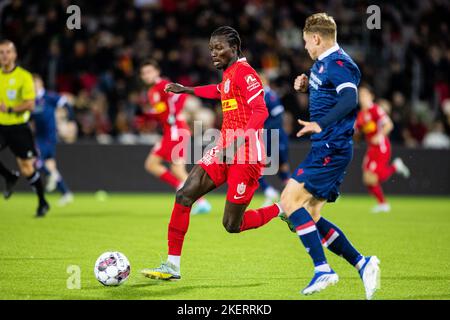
(228, 105)
(160, 107)
(369, 127)
(314, 81)
(226, 87)
(250, 79)
(252, 82)
(241, 189)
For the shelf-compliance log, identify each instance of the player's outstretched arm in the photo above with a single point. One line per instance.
(178, 88)
(208, 92)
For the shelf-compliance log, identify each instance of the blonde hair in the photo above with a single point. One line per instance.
(322, 24)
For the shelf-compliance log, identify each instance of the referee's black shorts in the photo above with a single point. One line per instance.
(19, 139)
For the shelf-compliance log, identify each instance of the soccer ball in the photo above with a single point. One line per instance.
(112, 268)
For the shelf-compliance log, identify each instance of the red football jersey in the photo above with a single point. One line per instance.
(166, 107)
(239, 87)
(368, 121)
(243, 108)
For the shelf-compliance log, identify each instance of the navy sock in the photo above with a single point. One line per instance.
(306, 229)
(263, 183)
(61, 186)
(335, 240)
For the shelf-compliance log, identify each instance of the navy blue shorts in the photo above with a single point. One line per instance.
(323, 171)
(47, 149)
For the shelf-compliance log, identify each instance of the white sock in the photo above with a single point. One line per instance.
(322, 268)
(279, 208)
(175, 260)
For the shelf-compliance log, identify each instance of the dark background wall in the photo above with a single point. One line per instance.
(92, 167)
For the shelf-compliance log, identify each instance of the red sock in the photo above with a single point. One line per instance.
(377, 192)
(386, 172)
(178, 226)
(256, 218)
(170, 179)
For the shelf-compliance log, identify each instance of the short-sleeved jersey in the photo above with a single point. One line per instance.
(239, 87)
(369, 121)
(15, 87)
(333, 71)
(44, 115)
(166, 107)
(275, 108)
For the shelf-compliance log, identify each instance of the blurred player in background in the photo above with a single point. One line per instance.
(166, 108)
(332, 87)
(17, 100)
(46, 132)
(376, 125)
(275, 122)
(237, 162)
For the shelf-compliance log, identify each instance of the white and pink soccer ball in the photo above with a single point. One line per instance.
(112, 268)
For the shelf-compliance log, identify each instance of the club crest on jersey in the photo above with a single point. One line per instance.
(241, 188)
(226, 87)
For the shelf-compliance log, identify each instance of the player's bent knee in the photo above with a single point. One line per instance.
(26, 168)
(370, 178)
(184, 197)
(231, 226)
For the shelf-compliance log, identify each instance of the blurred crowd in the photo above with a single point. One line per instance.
(407, 61)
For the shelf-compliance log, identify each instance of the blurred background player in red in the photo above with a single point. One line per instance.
(166, 109)
(375, 124)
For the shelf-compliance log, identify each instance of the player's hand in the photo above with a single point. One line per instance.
(308, 128)
(175, 88)
(301, 83)
(3, 107)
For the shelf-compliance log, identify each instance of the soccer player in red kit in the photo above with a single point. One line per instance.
(376, 125)
(244, 113)
(166, 109)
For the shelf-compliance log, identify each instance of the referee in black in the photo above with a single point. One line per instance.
(17, 99)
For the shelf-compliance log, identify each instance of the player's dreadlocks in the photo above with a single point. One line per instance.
(231, 35)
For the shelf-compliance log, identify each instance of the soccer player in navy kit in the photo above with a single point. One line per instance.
(332, 87)
(274, 122)
(46, 137)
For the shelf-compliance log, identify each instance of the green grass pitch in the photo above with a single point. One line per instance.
(412, 242)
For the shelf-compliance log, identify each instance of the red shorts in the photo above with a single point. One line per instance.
(242, 179)
(377, 157)
(170, 149)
